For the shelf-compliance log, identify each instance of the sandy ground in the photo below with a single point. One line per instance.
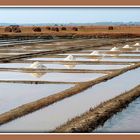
(83, 31)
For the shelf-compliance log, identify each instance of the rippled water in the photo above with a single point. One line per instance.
(126, 121)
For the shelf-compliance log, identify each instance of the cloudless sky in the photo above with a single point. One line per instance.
(68, 15)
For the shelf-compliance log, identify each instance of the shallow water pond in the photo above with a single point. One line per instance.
(129, 55)
(126, 121)
(63, 66)
(120, 60)
(51, 117)
(13, 95)
(59, 77)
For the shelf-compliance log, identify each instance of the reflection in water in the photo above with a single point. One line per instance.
(114, 55)
(38, 65)
(25, 93)
(110, 54)
(95, 53)
(70, 66)
(125, 121)
(38, 75)
(97, 59)
(137, 44)
(137, 49)
(70, 58)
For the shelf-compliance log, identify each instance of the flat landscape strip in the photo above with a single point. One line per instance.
(46, 101)
(77, 62)
(65, 50)
(92, 56)
(124, 52)
(29, 70)
(36, 82)
(95, 117)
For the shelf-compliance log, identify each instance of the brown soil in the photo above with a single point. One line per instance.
(83, 31)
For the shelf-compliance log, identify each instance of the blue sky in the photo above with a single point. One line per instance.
(68, 15)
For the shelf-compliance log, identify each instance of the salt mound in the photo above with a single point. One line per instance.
(137, 44)
(37, 65)
(69, 58)
(114, 49)
(127, 47)
(94, 53)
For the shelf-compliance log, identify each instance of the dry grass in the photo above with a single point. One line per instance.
(96, 31)
(90, 120)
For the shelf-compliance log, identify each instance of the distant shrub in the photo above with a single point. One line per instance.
(13, 28)
(48, 28)
(63, 28)
(55, 29)
(75, 29)
(17, 30)
(110, 28)
(36, 29)
(8, 29)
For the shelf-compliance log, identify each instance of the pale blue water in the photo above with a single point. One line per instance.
(62, 66)
(13, 95)
(54, 115)
(58, 77)
(127, 121)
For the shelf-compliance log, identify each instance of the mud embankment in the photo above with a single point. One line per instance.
(97, 116)
(78, 62)
(30, 70)
(38, 104)
(107, 35)
(73, 35)
(57, 51)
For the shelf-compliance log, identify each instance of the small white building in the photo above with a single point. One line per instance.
(69, 66)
